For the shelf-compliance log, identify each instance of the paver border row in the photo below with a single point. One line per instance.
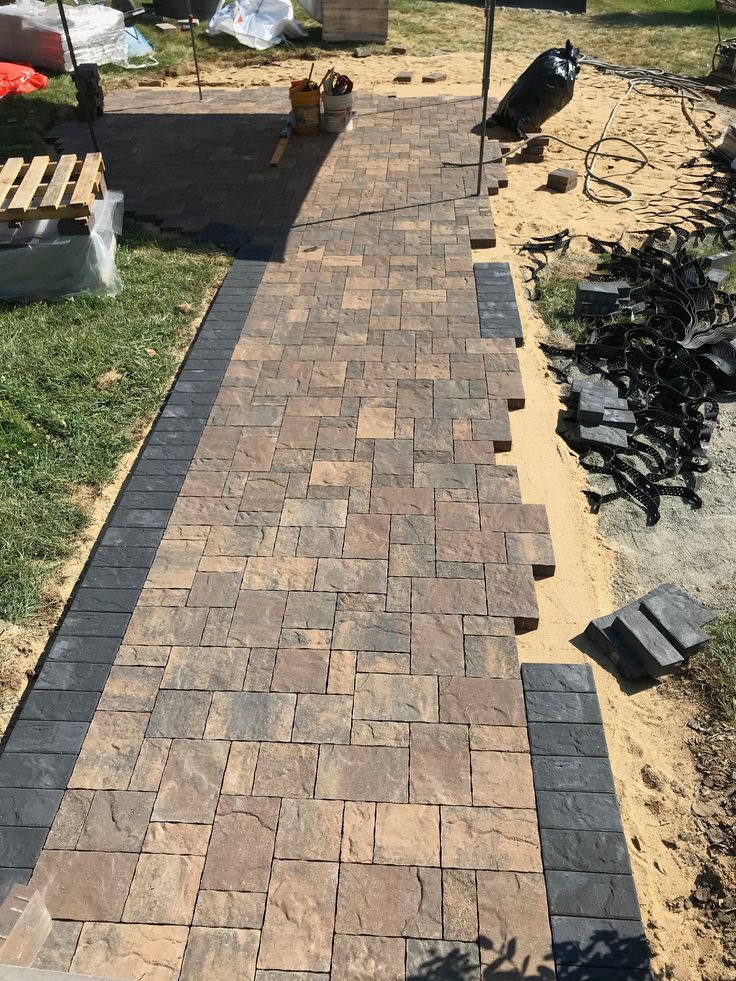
(45, 736)
(597, 932)
(498, 310)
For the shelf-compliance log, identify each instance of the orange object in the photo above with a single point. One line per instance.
(305, 107)
(19, 79)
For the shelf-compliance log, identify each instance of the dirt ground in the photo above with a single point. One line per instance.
(601, 562)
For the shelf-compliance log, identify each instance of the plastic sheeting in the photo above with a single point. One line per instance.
(31, 31)
(36, 264)
(258, 24)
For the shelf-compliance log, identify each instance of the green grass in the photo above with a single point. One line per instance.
(713, 670)
(557, 300)
(62, 430)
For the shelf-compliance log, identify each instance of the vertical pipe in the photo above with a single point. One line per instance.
(194, 48)
(487, 49)
(67, 35)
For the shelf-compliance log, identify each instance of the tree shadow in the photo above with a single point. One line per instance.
(581, 949)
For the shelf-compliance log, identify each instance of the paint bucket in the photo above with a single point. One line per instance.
(305, 110)
(338, 113)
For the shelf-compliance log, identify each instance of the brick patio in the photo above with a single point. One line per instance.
(310, 759)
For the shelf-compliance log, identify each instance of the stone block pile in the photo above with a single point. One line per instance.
(654, 635)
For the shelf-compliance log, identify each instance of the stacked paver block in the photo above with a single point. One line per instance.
(600, 299)
(497, 306)
(598, 417)
(653, 635)
(597, 931)
(276, 781)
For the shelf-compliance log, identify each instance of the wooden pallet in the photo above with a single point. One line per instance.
(50, 189)
(355, 20)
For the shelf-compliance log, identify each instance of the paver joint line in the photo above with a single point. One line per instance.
(281, 733)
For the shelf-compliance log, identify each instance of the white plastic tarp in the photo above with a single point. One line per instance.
(31, 31)
(36, 263)
(258, 24)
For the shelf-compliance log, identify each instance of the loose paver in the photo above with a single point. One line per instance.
(310, 754)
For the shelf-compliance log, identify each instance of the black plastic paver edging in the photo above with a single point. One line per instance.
(42, 742)
(593, 907)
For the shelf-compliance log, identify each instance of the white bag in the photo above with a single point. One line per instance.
(259, 24)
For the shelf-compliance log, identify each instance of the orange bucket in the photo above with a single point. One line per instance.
(305, 108)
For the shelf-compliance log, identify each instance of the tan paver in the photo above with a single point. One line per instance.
(310, 760)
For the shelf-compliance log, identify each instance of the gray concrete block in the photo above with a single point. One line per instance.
(599, 942)
(601, 634)
(591, 408)
(620, 418)
(584, 851)
(28, 807)
(100, 577)
(74, 676)
(102, 650)
(21, 846)
(60, 706)
(94, 624)
(106, 600)
(578, 811)
(10, 877)
(45, 771)
(558, 677)
(562, 707)
(46, 737)
(567, 739)
(566, 773)
(685, 636)
(605, 436)
(650, 646)
(694, 611)
(603, 895)
(569, 972)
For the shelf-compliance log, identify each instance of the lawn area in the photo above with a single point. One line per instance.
(79, 381)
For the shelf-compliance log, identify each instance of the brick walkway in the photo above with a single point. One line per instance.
(310, 759)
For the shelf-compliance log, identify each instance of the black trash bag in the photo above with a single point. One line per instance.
(542, 90)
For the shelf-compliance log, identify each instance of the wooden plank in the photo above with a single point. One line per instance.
(56, 189)
(23, 197)
(10, 170)
(355, 20)
(88, 180)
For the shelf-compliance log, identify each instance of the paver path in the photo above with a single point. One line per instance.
(310, 759)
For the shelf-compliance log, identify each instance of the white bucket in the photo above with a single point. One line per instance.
(338, 113)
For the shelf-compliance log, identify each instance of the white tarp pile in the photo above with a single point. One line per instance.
(257, 23)
(31, 31)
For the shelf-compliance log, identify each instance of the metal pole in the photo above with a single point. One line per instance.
(487, 49)
(65, 25)
(194, 48)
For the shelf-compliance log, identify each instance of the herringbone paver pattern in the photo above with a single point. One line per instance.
(310, 760)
